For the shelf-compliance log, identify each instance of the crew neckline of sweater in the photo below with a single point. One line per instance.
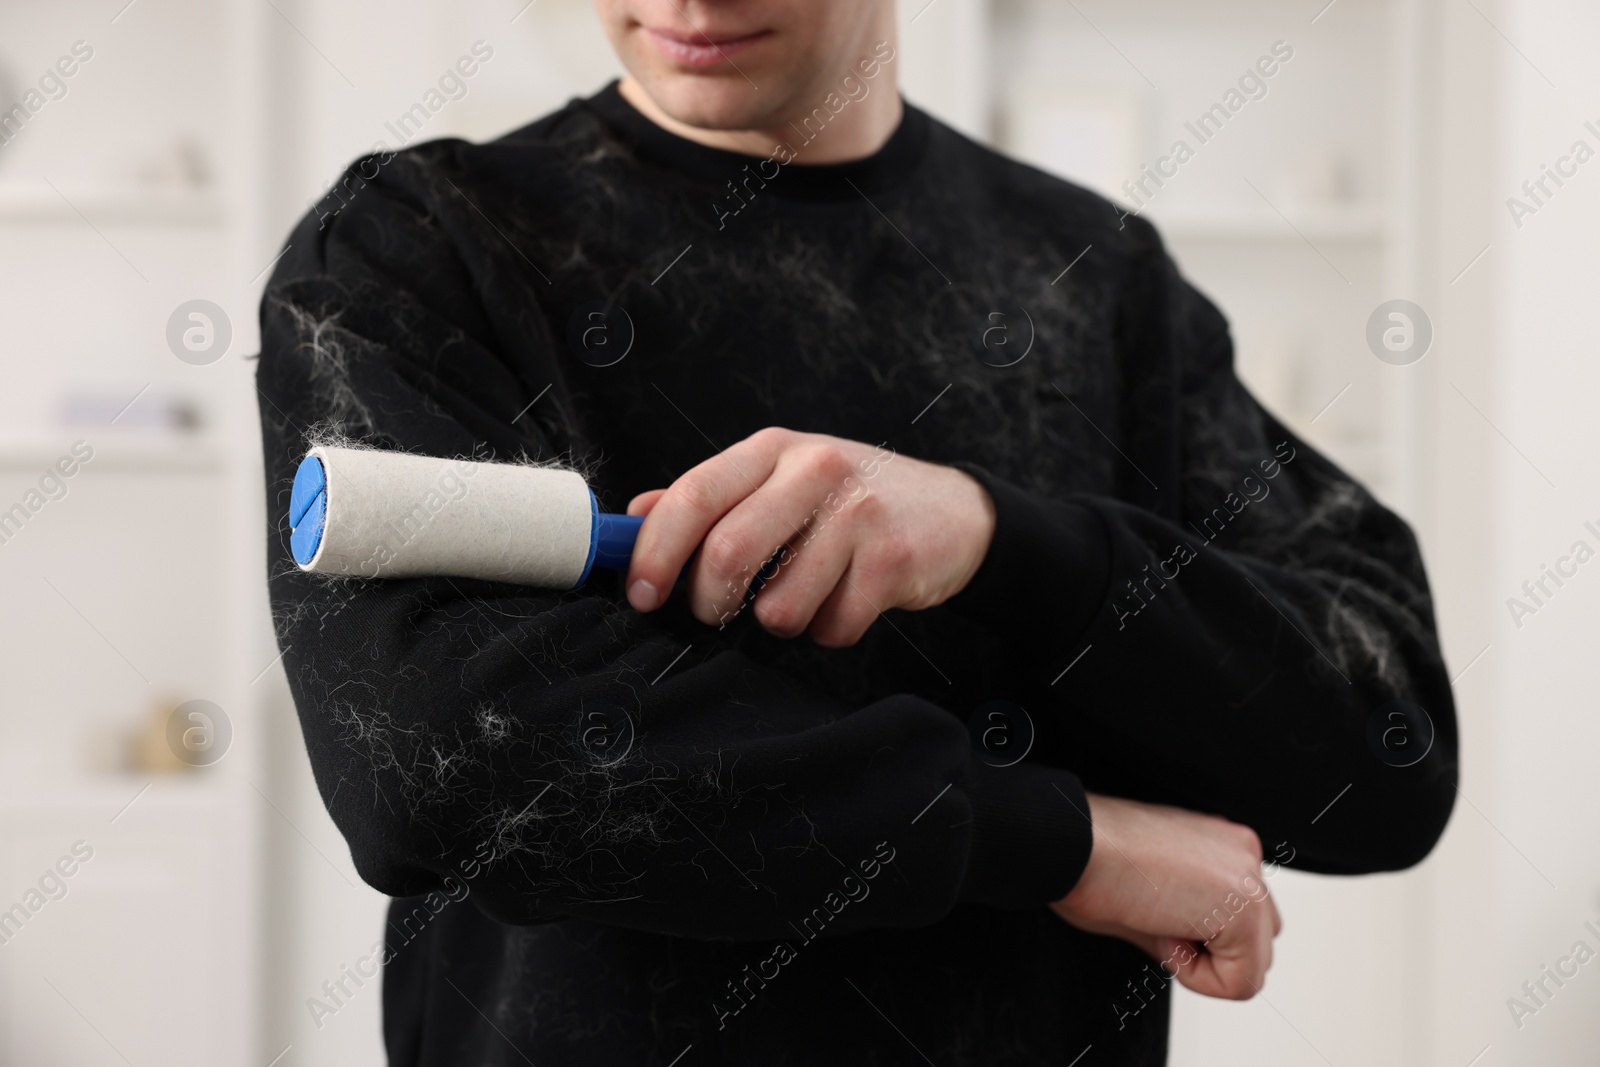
(892, 165)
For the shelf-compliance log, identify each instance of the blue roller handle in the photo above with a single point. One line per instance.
(611, 543)
(611, 539)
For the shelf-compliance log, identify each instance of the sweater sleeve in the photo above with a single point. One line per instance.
(1260, 646)
(557, 752)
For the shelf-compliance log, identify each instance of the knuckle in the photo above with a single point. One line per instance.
(844, 625)
(1250, 841)
(830, 631)
(1237, 838)
(828, 461)
(725, 553)
(772, 436)
(710, 610)
(820, 459)
(896, 555)
(698, 493)
(779, 616)
(711, 597)
(867, 505)
(835, 637)
(888, 565)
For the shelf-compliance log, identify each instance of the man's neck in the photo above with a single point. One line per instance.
(859, 129)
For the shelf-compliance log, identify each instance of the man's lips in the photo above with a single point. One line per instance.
(695, 49)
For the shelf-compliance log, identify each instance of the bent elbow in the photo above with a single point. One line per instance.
(1391, 825)
(1417, 823)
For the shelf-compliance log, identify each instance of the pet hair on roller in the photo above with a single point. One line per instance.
(375, 514)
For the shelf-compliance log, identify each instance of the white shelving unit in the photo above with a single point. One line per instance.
(1287, 216)
(139, 588)
(1346, 225)
(37, 204)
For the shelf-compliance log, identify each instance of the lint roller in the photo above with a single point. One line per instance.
(374, 514)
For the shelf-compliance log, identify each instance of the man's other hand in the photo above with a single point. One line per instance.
(1185, 887)
(840, 531)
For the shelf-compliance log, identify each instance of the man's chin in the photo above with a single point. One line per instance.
(709, 102)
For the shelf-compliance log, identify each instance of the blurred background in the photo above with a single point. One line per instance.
(186, 911)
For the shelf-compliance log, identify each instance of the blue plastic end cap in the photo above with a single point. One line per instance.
(594, 538)
(611, 539)
(308, 509)
(614, 540)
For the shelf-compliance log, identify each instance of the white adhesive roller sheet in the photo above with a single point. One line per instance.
(376, 514)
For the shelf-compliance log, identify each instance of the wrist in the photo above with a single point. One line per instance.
(974, 519)
(1094, 867)
(1046, 574)
(1030, 834)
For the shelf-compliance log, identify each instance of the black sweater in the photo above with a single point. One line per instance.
(626, 836)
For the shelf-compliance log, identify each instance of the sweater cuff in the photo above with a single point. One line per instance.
(1031, 834)
(1048, 569)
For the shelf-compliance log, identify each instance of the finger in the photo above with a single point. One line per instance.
(1262, 956)
(641, 504)
(1213, 976)
(689, 507)
(803, 489)
(1236, 962)
(1277, 920)
(847, 613)
(807, 574)
(1215, 971)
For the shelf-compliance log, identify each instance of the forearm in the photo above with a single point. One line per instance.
(1184, 673)
(716, 802)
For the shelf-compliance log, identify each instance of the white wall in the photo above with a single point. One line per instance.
(1539, 787)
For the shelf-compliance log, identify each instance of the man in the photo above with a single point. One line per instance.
(733, 814)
